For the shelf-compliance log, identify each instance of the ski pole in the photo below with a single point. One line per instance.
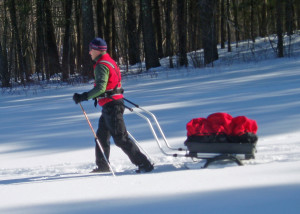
(97, 140)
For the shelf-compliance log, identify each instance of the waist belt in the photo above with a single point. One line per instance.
(112, 92)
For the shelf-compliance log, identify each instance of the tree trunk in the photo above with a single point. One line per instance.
(271, 15)
(208, 31)
(108, 26)
(40, 48)
(100, 20)
(66, 46)
(289, 19)
(151, 56)
(297, 8)
(5, 77)
(19, 54)
(279, 28)
(263, 19)
(114, 35)
(223, 31)
(72, 55)
(23, 14)
(132, 34)
(252, 20)
(181, 24)
(53, 58)
(5, 74)
(88, 35)
(236, 22)
(77, 7)
(157, 27)
(228, 26)
(245, 29)
(168, 9)
(193, 31)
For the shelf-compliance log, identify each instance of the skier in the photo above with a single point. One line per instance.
(109, 93)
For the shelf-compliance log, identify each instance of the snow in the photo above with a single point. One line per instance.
(47, 148)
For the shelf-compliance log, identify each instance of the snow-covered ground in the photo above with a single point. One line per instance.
(47, 148)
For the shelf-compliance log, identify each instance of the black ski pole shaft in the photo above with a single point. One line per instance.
(97, 140)
(136, 105)
(130, 109)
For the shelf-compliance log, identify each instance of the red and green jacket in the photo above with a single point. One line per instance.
(107, 76)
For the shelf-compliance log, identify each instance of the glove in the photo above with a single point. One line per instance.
(80, 97)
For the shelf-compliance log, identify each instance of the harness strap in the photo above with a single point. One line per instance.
(109, 63)
(115, 90)
(112, 92)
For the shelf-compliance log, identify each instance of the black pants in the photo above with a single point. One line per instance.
(111, 124)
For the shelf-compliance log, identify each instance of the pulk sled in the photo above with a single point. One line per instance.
(210, 148)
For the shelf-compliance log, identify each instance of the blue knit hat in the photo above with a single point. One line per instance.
(98, 44)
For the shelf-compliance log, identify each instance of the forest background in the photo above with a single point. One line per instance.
(42, 39)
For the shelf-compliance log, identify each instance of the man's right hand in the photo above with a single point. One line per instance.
(80, 97)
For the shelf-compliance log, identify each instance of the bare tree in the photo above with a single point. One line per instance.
(100, 20)
(289, 19)
(108, 25)
(19, 54)
(114, 34)
(132, 34)
(236, 22)
(157, 28)
(5, 74)
(88, 35)
(78, 30)
(151, 56)
(207, 10)
(228, 26)
(181, 25)
(279, 28)
(66, 47)
(40, 43)
(53, 57)
(193, 26)
(222, 29)
(252, 22)
(168, 6)
(263, 31)
(297, 9)
(4, 69)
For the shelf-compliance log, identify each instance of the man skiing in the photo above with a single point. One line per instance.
(109, 93)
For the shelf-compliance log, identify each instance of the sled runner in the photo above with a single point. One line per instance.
(219, 137)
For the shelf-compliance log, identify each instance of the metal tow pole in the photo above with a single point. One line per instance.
(97, 140)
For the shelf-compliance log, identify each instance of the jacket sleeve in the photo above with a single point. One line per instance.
(101, 73)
